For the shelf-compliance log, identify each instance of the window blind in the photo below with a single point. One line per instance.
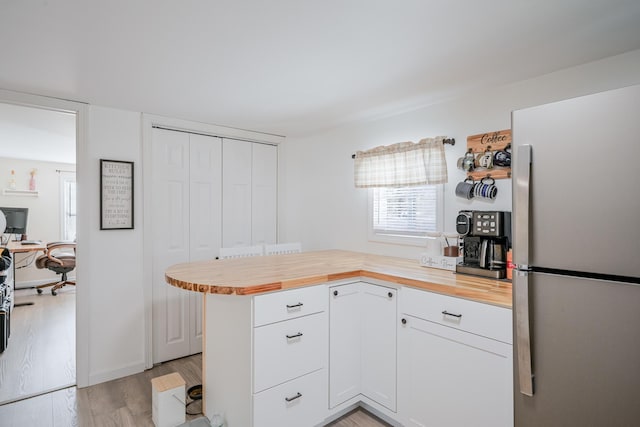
(405, 211)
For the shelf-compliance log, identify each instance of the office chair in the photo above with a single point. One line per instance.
(56, 259)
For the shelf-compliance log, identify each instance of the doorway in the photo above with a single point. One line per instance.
(38, 158)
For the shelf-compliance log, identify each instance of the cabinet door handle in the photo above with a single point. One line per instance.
(446, 313)
(298, 335)
(390, 294)
(291, 399)
(335, 293)
(404, 321)
(294, 305)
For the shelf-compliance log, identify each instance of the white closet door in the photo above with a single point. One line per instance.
(264, 194)
(170, 194)
(205, 217)
(236, 193)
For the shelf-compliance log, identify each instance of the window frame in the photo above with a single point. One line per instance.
(63, 178)
(421, 241)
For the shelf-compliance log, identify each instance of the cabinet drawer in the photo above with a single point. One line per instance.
(478, 318)
(298, 403)
(287, 350)
(285, 305)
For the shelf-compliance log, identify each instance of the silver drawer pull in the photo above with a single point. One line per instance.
(446, 313)
(298, 335)
(294, 305)
(291, 399)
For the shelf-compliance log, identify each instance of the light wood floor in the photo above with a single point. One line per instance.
(125, 402)
(41, 355)
(358, 418)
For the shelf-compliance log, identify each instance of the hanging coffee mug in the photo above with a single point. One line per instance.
(467, 163)
(486, 188)
(503, 157)
(465, 189)
(485, 160)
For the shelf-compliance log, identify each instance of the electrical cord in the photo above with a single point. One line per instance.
(28, 260)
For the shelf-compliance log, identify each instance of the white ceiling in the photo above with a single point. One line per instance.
(37, 134)
(294, 67)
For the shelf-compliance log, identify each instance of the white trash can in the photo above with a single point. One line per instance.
(168, 400)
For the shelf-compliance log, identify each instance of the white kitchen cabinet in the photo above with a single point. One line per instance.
(278, 306)
(287, 350)
(448, 375)
(249, 196)
(362, 343)
(378, 344)
(297, 403)
(344, 343)
(186, 194)
(290, 358)
(266, 358)
(298, 358)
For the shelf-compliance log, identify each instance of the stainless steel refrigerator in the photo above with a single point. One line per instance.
(576, 287)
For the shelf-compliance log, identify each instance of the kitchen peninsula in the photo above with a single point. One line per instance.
(299, 339)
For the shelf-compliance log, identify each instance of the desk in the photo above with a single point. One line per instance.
(16, 247)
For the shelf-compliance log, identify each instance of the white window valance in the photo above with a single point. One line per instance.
(402, 165)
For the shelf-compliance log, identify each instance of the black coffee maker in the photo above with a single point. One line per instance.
(486, 238)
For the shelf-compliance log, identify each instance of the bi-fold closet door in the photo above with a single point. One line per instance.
(186, 194)
(207, 193)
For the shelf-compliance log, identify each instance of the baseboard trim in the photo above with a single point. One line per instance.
(104, 376)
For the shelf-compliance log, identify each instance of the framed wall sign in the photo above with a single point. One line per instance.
(116, 195)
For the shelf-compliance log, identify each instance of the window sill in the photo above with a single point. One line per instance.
(399, 239)
(10, 192)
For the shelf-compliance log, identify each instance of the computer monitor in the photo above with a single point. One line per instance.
(16, 220)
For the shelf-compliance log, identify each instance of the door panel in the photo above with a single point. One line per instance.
(585, 353)
(453, 378)
(170, 184)
(205, 217)
(379, 344)
(236, 193)
(584, 204)
(205, 197)
(344, 343)
(186, 176)
(264, 195)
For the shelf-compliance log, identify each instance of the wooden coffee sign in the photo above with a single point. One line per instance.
(492, 141)
(488, 148)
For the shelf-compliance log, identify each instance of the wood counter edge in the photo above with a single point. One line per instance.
(477, 295)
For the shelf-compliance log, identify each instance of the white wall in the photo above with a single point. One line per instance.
(44, 210)
(113, 276)
(319, 205)
(322, 209)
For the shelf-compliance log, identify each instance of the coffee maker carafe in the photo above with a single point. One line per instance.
(493, 254)
(485, 244)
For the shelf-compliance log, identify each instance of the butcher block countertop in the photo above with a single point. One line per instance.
(256, 275)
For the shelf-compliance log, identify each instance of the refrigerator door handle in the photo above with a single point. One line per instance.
(521, 199)
(521, 190)
(523, 333)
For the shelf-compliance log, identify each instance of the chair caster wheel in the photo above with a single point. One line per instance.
(39, 291)
(54, 293)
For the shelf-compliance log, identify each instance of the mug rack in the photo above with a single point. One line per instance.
(490, 141)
